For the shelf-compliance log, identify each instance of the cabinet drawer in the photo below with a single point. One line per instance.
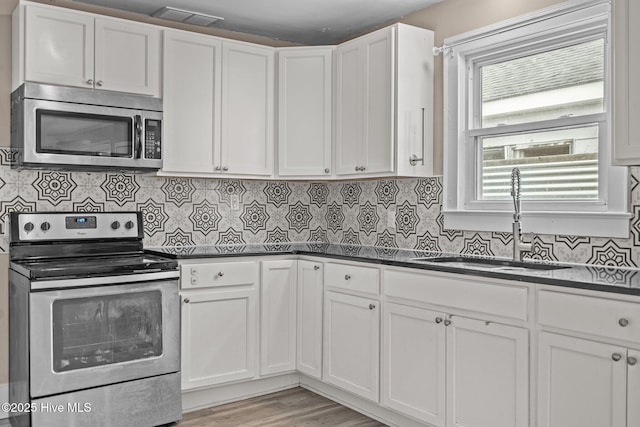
(353, 278)
(218, 274)
(466, 293)
(590, 315)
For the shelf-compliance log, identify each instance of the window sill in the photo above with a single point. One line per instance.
(591, 224)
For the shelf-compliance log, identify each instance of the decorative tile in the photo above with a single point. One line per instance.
(429, 191)
(17, 204)
(299, 217)
(572, 242)
(335, 217)
(178, 191)
(54, 186)
(255, 217)
(350, 237)
(88, 205)
(153, 217)
(205, 217)
(368, 218)
(386, 240)
(277, 235)
(318, 193)
(178, 237)
(120, 188)
(351, 193)
(227, 188)
(318, 235)
(427, 242)
(477, 245)
(386, 192)
(611, 254)
(231, 237)
(407, 219)
(277, 193)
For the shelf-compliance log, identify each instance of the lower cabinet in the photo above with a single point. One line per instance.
(310, 292)
(584, 383)
(278, 317)
(219, 336)
(351, 343)
(477, 370)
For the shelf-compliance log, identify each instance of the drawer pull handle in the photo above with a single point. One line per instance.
(371, 306)
(187, 300)
(347, 277)
(632, 361)
(447, 322)
(623, 322)
(316, 267)
(438, 319)
(616, 357)
(221, 274)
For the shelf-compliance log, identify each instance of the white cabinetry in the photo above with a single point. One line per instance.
(65, 47)
(626, 85)
(219, 323)
(310, 292)
(304, 111)
(351, 343)
(384, 103)
(590, 379)
(247, 109)
(278, 317)
(191, 96)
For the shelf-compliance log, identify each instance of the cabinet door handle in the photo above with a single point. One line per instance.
(347, 277)
(371, 306)
(447, 322)
(316, 267)
(616, 357)
(90, 82)
(99, 83)
(217, 168)
(187, 300)
(438, 319)
(327, 170)
(357, 168)
(623, 322)
(363, 168)
(221, 274)
(632, 361)
(225, 168)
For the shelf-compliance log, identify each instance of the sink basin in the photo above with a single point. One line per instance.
(488, 263)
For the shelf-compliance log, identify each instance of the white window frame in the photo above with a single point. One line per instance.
(564, 23)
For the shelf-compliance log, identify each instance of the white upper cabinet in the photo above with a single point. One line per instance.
(384, 103)
(304, 111)
(65, 47)
(247, 109)
(191, 96)
(626, 85)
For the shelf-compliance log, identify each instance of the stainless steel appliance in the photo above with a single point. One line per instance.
(84, 129)
(94, 323)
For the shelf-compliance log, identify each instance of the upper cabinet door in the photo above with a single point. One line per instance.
(127, 57)
(247, 109)
(349, 108)
(304, 111)
(626, 84)
(58, 47)
(191, 88)
(379, 113)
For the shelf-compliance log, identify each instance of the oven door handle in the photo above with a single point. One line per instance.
(103, 280)
(138, 137)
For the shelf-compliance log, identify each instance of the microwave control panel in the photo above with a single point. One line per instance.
(152, 143)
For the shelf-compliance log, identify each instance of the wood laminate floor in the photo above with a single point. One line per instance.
(289, 408)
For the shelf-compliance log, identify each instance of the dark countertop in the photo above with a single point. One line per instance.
(592, 277)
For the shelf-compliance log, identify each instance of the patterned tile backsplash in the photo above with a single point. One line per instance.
(181, 211)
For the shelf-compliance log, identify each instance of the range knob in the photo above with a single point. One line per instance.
(115, 225)
(45, 226)
(28, 227)
(128, 225)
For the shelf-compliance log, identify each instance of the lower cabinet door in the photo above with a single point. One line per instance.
(633, 388)
(487, 374)
(219, 336)
(413, 362)
(351, 343)
(278, 317)
(310, 292)
(581, 383)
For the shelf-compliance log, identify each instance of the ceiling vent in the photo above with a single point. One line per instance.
(186, 16)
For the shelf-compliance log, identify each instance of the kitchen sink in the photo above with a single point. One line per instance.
(490, 264)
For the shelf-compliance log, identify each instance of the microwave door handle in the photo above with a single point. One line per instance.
(138, 137)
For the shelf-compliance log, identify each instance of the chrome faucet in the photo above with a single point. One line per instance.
(519, 246)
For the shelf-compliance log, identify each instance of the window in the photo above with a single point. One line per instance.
(533, 93)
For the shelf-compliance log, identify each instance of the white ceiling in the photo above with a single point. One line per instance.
(311, 22)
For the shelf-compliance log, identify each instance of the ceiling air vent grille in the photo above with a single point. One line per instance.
(187, 16)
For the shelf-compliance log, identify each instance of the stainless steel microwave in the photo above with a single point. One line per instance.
(57, 127)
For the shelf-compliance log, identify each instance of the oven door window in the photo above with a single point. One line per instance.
(64, 132)
(105, 330)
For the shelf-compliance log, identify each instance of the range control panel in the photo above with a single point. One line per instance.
(41, 226)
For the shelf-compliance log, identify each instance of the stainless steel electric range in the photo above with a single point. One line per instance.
(94, 323)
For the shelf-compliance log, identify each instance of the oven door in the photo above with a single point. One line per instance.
(87, 337)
